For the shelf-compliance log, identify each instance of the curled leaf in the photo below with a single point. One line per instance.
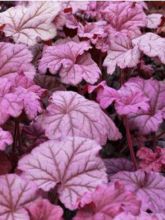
(42, 209)
(107, 202)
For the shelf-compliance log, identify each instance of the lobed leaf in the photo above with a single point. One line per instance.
(70, 114)
(27, 23)
(72, 165)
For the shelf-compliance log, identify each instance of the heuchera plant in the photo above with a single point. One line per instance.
(82, 109)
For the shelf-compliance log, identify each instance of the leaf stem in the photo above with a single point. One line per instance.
(129, 141)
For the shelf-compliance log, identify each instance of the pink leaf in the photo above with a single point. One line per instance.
(91, 30)
(28, 93)
(5, 139)
(121, 54)
(27, 23)
(15, 58)
(152, 45)
(149, 188)
(130, 100)
(30, 101)
(116, 165)
(70, 60)
(142, 216)
(150, 120)
(105, 95)
(10, 104)
(152, 161)
(70, 114)
(107, 202)
(125, 18)
(42, 209)
(72, 165)
(15, 193)
(154, 20)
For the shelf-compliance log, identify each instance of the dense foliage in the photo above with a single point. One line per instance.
(82, 106)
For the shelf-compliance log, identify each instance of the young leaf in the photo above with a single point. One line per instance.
(25, 23)
(148, 186)
(15, 58)
(131, 99)
(151, 160)
(10, 103)
(5, 139)
(19, 92)
(72, 165)
(42, 209)
(70, 114)
(15, 193)
(106, 202)
(70, 59)
(128, 99)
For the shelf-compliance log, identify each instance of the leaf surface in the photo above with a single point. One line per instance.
(121, 54)
(72, 165)
(148, 186)
(15, 193)
(150, 120)
(70, 59)
(15, 58)
(70, 114)
(152, 45)
(27, 23)
(42, 209)
(106, 203)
